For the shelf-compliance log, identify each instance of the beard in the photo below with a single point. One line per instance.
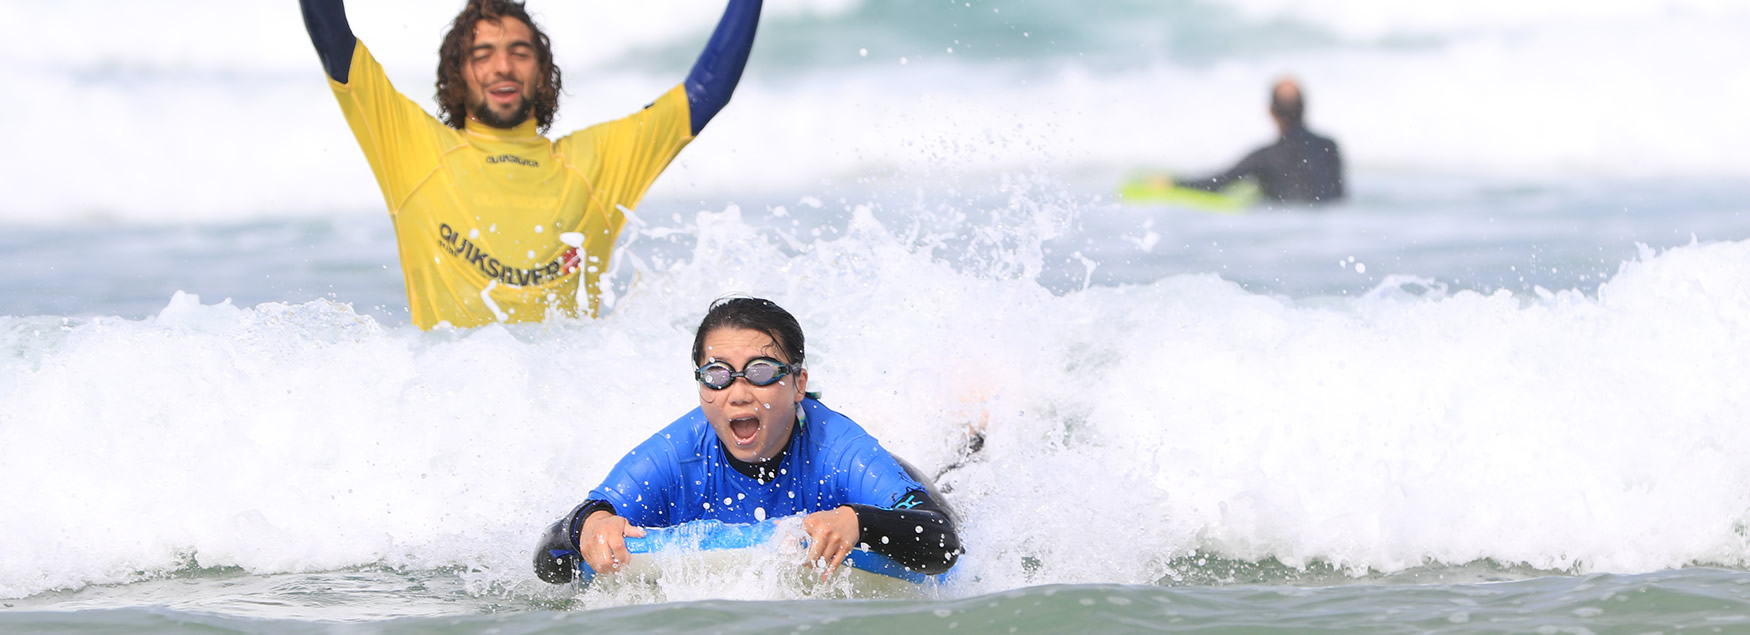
(487, 116)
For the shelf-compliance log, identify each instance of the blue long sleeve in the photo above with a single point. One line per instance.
(326, 22)
(718, 70)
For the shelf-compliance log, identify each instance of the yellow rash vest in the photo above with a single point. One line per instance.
(479, 212)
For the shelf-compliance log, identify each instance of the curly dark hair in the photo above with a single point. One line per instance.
(452, 88)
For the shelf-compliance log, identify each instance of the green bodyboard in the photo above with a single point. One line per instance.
(1234, 199)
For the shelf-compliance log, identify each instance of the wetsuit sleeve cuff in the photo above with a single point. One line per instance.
(574, 522)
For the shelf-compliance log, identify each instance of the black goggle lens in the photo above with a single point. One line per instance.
(763, 371)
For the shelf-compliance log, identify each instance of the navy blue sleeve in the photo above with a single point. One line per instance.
(718, 70)
(326, 22)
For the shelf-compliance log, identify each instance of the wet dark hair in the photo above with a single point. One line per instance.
(1287, 105)
(756, 314)
(452, 88)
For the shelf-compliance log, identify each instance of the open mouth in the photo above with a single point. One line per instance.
(505, 92)
(744, 430)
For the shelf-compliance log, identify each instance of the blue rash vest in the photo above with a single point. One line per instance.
(682, 474)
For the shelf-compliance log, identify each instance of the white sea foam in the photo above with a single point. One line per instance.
(1127, 426)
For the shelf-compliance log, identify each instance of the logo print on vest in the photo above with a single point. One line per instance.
(452, 242)
(511, 158)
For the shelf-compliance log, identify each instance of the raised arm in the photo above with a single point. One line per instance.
(326, 22)
(715, 75)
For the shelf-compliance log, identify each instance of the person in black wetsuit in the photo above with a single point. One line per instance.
(1301, 167)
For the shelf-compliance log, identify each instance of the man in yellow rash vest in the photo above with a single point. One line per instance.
(484, 206)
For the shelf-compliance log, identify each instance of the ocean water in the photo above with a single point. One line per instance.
(1501, 389)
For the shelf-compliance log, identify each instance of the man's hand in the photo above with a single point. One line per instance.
(602, 541)
(834, 534)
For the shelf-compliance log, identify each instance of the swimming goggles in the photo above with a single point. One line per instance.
(759, 371)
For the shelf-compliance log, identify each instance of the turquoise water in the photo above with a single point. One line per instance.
(1500, 390)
